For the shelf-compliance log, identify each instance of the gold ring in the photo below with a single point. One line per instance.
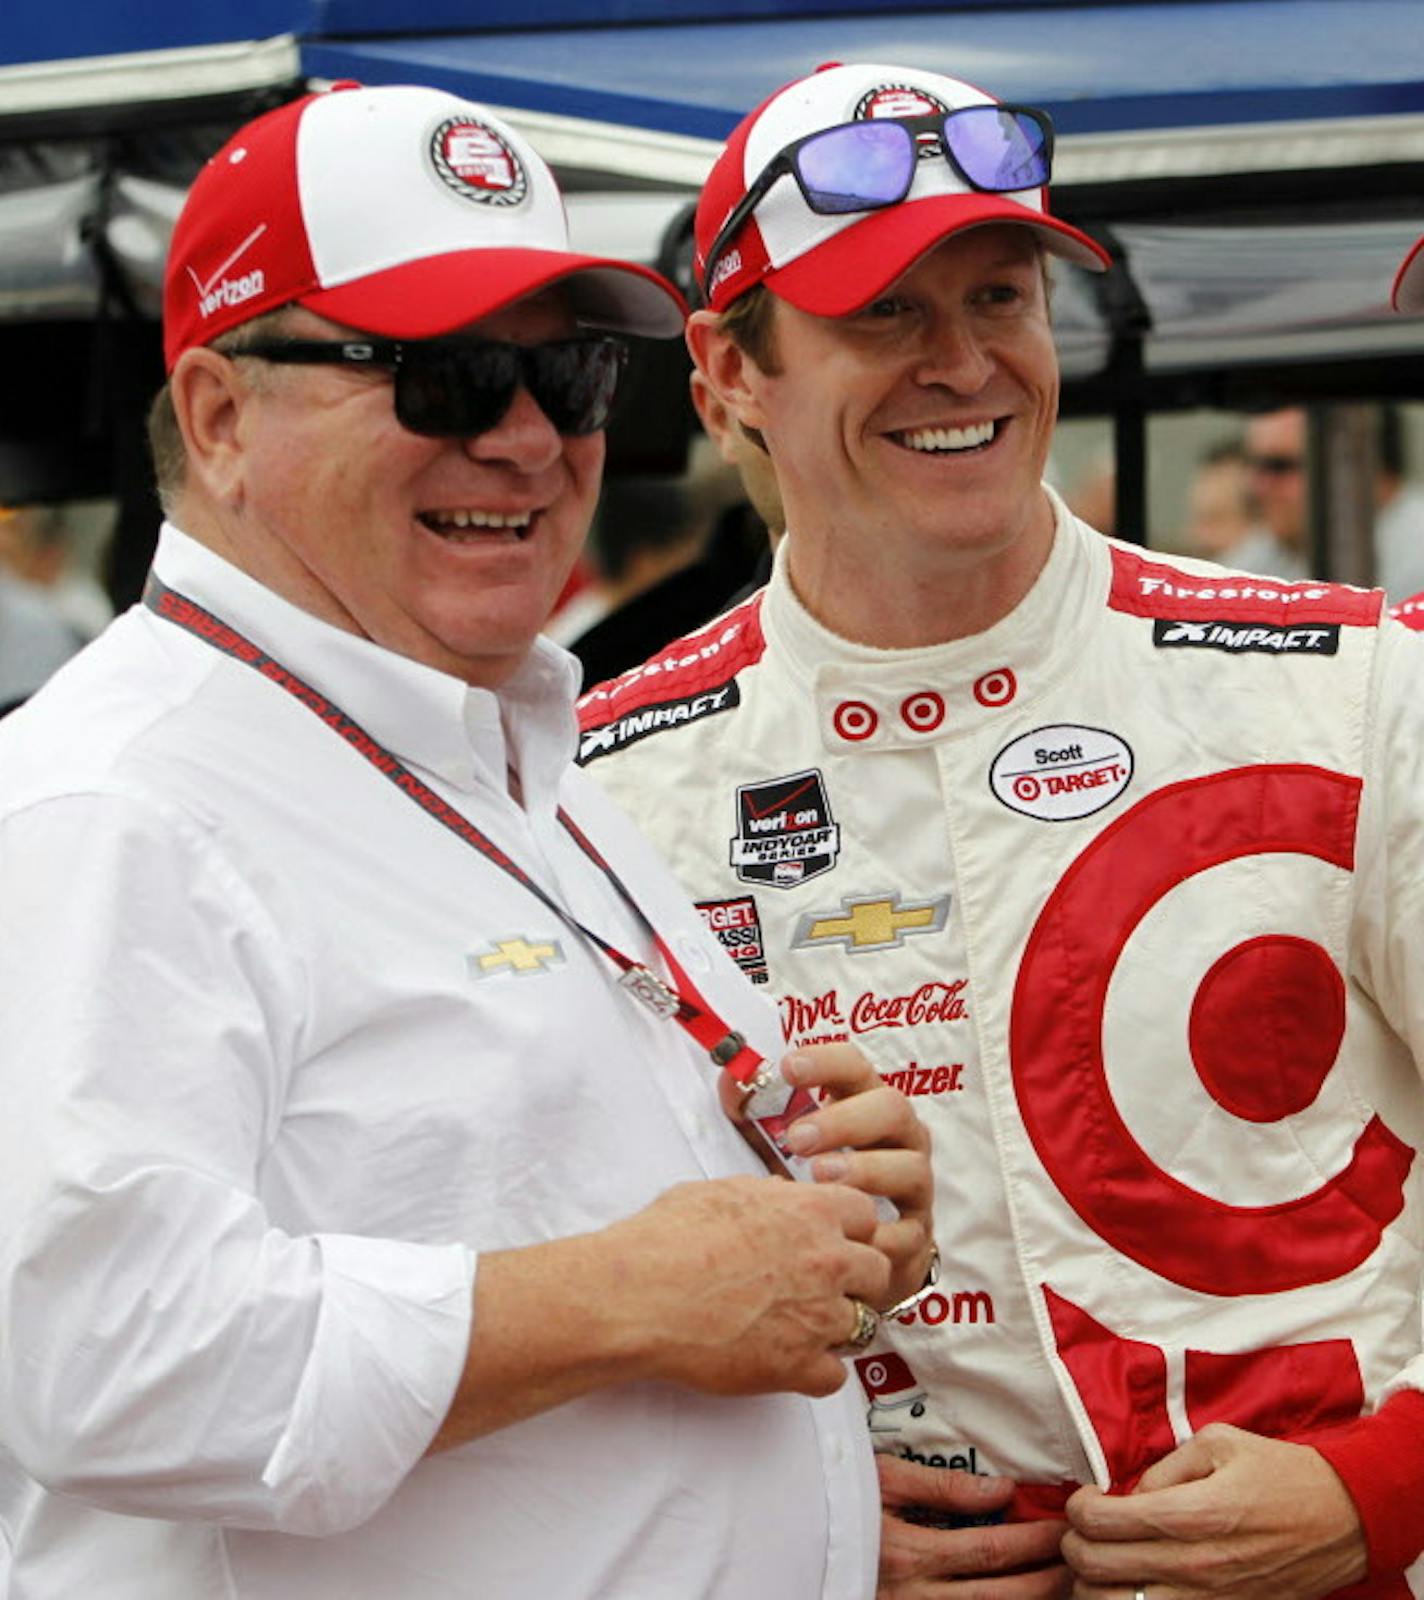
(867, 1325)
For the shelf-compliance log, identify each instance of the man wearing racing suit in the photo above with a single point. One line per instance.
(1112, 862)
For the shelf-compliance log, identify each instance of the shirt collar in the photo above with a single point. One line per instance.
(867, 698)
(432, 721)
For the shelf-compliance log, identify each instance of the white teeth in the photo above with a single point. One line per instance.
(462, 517)
(948, 438)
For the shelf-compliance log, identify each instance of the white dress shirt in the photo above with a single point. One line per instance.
(281, 1056)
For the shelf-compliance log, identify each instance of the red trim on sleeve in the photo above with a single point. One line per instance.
(1146, 588)
(692, 665)
(1380, 1460)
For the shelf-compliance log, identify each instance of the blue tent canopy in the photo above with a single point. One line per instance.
(1258, 165)
(1100, 68)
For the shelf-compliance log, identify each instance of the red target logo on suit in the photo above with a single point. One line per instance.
(996, 688)
(854, 720)
(1265, 1025)
(923, 712)
(1262, 1029)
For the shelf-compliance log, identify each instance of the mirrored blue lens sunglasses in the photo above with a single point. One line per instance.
(868, 165)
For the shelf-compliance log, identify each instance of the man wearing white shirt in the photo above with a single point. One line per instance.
(363, 1234)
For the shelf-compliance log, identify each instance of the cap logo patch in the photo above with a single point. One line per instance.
(475, 162)
(896, 100)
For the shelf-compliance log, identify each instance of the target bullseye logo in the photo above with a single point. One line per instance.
(1264, 1031)
(923, 712)
(854, 720)
(996, 688)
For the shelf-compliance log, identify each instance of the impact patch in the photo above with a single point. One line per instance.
(1244, 639)
(635, 725)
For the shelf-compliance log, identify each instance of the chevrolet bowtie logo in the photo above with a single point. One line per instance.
(518, 956)
(871, 924)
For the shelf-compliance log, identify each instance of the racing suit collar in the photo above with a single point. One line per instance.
(872, 698)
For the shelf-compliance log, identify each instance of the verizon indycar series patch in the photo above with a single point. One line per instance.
(785, 832)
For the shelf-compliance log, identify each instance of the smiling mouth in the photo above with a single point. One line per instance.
(466, 525)
(948, 441)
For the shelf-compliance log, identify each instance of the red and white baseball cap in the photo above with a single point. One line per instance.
(832, 265)
(401, 211)
(1409, 282)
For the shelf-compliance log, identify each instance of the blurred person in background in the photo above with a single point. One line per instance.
(1221, 512)
(38, 546)
(1093, 494)
(1399, 515)
(35, 639)
(663, 569)
(1275, 444)
(643, 531)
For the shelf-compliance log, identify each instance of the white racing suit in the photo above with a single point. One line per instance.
(1125, 893)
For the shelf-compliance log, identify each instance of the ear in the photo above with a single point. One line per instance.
(716, 420)
(209, 397)
(733, 377)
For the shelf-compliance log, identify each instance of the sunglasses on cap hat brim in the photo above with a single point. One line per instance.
(869, 166)
(461, 387)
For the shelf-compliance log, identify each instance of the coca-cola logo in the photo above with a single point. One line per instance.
(935, 1001)
(931, 1002)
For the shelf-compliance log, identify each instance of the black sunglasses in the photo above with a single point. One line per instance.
(457, 388)
(867, 165)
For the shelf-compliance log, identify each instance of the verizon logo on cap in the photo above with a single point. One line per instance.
(219, 291)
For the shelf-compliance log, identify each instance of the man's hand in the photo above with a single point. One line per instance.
(728, 1285)
(866, 1135)
(1228, 1513)
(744, 1285)
(1011, 1560)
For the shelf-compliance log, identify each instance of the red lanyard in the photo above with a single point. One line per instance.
(682, 1002)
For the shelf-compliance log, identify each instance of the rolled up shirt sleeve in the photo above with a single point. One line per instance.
(169, 1351)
